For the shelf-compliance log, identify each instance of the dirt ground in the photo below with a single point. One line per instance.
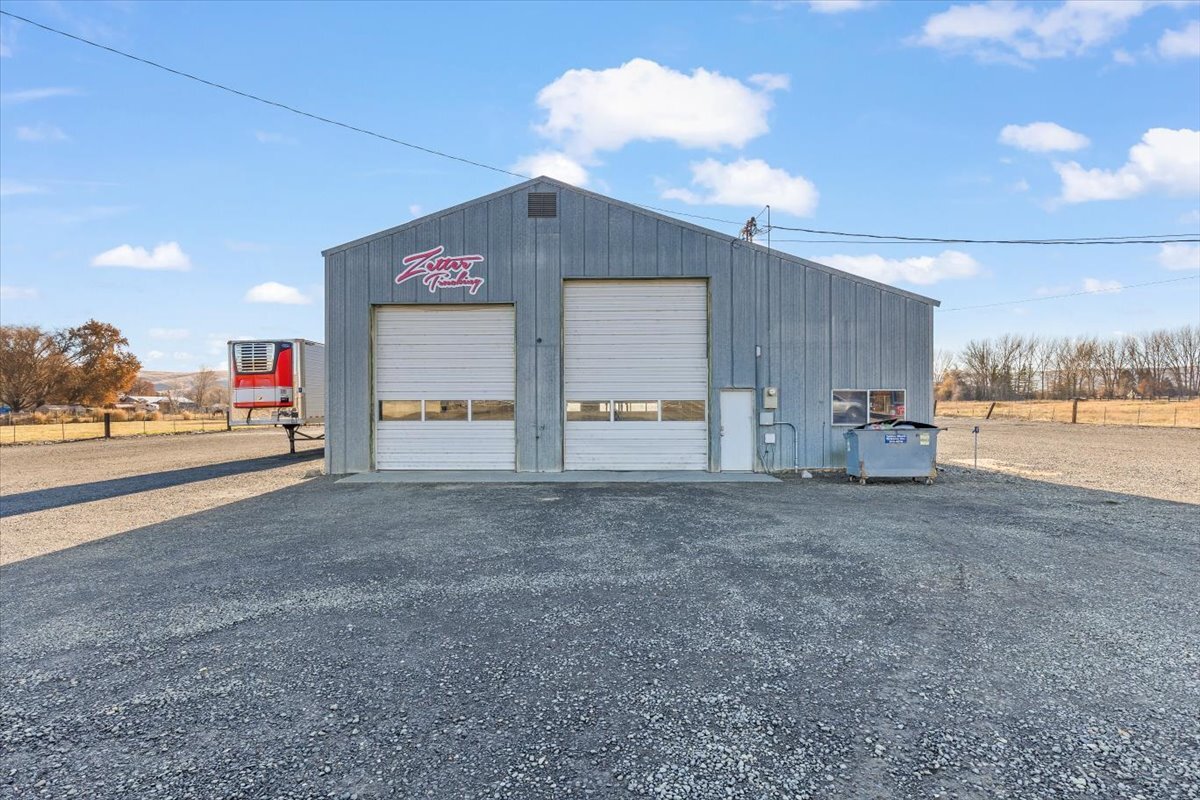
(1162, 463)
(101, 488)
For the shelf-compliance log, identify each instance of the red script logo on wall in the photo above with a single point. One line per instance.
(437, 271)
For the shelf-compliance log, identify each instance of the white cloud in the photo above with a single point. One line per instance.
(11, 188)
(18, 293)
(747, 182)
(30, 95)
(1123, 57)
(41, 133)
(1179, 256)
(771, 81)
(588, 111)
(155, 355)
(554, 165)
(1017, 32)
(1165, 160)
(838, 6)
(1021, 185)
(272, 292)
(1181, 44)
(415, 210)
(1098, 285)
(166, 256)
(180, 355)
(1190, 217)
(169, 333)
(1042, 137)
(267, 137)
(921, 270)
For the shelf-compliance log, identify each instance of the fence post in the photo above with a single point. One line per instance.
(107, 425)
(1139, 416)
(62, 426)
(1075, 411)
(1176, 425)
(991, 408)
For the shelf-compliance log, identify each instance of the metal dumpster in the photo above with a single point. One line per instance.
(892, 449)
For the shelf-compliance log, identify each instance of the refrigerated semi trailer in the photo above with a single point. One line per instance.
(277, 382)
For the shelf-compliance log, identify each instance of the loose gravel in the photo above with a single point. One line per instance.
(59, 495)
(985, 637)
(1153, 462)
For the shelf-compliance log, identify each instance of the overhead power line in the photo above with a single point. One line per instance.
(877, 238)
(1112, 290)
(317, 117)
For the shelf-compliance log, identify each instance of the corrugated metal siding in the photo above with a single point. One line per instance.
(818, 330)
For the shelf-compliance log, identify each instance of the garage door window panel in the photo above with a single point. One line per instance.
(683, 411)
(589, 411)
(399, 410)
(635, 411)
(445, 410)
(492, 410)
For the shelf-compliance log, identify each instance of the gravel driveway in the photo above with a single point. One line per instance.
(1153, 462)
(58, 495)
(985, 637)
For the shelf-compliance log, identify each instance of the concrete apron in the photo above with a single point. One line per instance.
(577, 476)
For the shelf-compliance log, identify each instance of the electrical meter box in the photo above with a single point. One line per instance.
(770, 397)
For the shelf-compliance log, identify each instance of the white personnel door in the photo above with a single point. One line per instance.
(737, 430)
(445, 387)
(635, 374)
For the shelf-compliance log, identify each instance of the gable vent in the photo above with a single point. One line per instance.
(543, 204)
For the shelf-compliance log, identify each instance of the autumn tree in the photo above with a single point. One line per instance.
(142, 388)
(32, 366)
(99, 365)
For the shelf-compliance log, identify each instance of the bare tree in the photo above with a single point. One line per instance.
(204, 384)
(1185, 359)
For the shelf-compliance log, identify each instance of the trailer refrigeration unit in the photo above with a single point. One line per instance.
(277, 382)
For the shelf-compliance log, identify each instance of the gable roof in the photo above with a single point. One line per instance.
(637, 209)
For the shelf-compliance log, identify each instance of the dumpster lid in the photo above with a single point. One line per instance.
(890, 424)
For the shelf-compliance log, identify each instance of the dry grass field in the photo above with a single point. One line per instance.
(73, 431)
(1150, 413)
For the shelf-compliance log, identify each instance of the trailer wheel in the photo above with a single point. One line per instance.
(929, 481)
(862, 481)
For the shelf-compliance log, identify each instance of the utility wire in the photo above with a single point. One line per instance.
(1073, 294)
(1166, 238)
(974, 241)
(285, 107)
(1162, 238)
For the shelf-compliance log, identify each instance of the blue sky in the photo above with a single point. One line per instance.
(188, 216)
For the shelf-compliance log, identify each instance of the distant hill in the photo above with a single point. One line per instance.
(177, 381)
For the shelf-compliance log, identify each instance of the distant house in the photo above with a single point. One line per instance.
(156, 402)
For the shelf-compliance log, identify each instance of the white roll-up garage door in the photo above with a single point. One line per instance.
(445, 387)
(635, 374)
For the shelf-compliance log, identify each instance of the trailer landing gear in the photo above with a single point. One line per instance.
(292, 432)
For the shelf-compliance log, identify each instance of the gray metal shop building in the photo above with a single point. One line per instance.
(546, 328)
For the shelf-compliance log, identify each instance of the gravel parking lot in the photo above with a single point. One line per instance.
(988, 636)
(1153, 462)
(59, 495)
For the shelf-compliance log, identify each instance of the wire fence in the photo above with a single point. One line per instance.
(17, 429)
(1143, 413)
